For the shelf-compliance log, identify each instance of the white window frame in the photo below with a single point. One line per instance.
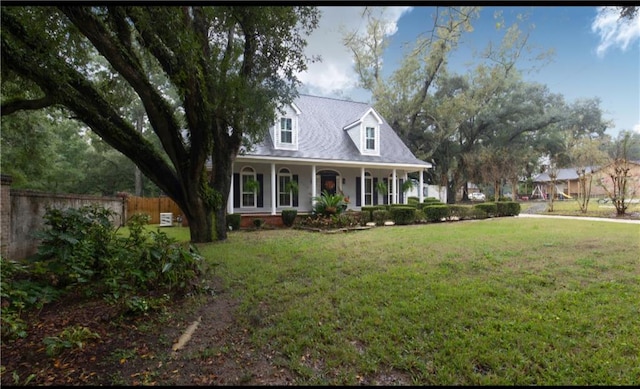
(246, 174)
(284, 173)
(290, 113)
(364, 138)
(368, 138)
(284, 130)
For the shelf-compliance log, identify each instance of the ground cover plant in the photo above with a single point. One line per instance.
(504, 301)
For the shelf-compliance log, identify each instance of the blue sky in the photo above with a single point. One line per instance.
(594, 55)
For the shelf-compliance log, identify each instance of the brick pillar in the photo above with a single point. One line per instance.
(5, 215)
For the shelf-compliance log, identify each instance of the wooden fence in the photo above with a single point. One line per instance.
(152, 206)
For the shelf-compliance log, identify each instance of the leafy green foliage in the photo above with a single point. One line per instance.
(491, 209)
(289, 216)
(328, 204)
(380, 216)
(436, 213)
(20, 291)
(258, 222)
(82, 249)
(402, 215)
(233, 221)
(367, 212)
(74, 242)
(322, 222)
(507, 208)
(227, 69)
(70, 337)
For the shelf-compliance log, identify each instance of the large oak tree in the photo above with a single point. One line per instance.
(210, 80)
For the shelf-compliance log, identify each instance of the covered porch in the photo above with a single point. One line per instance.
(268, 187)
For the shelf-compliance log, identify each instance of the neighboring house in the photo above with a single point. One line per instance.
(323, 144)
(568, 184)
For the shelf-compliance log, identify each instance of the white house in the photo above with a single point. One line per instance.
(323, 144)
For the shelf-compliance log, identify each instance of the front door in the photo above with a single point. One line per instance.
(328, 183)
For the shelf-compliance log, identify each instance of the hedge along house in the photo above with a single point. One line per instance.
(321, 143)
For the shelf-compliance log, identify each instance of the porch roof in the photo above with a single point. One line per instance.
(323, 140)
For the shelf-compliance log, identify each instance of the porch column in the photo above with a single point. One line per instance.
(230, 199)
(313, 184)
(421, 184)
(273, 189)
(362, 188)
(394, 188)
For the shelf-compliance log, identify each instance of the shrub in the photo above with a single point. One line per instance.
(389, 206)
(367, 212)
(435, 213)
(345, 219)
(19, 291)
(513, 208)
(507, 208)
(380, 216)
(461, 212)
(75, 241)
(420, 216)
(422, 205)
(429, 200)
(365, 217)
(289, 216)
(477, 213)
(233, 221)
(402, 215)
(81, 247)
(491, 209)
(412, 200)
(258, 223)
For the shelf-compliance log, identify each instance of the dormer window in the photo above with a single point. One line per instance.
(370, 138)
(286, 130)
(365, 132)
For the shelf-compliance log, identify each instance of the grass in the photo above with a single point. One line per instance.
(494, 302)
(571, 208)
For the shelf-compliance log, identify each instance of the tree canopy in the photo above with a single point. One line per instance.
(476, 126)
(209, 79)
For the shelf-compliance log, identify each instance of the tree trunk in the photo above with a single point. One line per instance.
(451, 192)
(137, 174)
(221, 182)
(201, 224)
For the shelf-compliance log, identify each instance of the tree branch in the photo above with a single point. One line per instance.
(26, 105)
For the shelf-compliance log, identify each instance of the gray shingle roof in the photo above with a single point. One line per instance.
(563, 174)
(322, 135)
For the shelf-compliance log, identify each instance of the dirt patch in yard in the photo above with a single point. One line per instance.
(139, 351)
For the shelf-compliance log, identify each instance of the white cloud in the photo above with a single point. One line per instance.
(613, 31)
(334, 75)
(636, 128)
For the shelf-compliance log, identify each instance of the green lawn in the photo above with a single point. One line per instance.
(571, 208)
(504, 301)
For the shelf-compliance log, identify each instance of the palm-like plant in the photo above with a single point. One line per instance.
(328, 204)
